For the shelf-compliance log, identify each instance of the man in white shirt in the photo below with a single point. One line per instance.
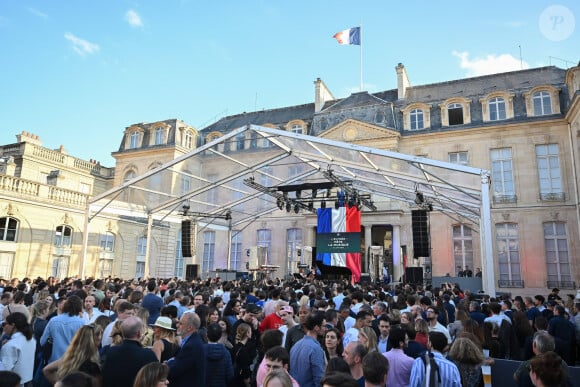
(436, 326)
(90, 313)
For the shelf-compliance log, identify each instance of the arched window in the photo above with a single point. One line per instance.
(455, 114)
(497, 109)
(63, 236)
(416, 119)
(296, 129)
(8, 229)
(542, 103)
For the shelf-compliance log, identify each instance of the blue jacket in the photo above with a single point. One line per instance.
(188, 368)
(219, 370)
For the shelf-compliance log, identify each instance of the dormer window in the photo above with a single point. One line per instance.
(455, 114)
(497, 109)
(134, 140)
(416, 119)
(416, 116)
(188, 140)
(542, 103)
(455, 111)
(296, 129)
(159, 136)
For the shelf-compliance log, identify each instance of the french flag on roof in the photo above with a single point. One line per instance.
(350, 36)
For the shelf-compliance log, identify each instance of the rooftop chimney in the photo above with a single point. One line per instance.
(402, 81)
(321, 95)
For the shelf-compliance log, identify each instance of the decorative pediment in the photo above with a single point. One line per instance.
(356, 131)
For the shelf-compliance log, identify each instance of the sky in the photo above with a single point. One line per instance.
(77, 73)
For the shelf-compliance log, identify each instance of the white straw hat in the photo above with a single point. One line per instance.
(163, 322)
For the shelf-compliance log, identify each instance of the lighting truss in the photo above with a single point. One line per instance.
(349, 190)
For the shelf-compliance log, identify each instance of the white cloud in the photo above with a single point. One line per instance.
(38, 13)
(491, 64)
(133, 19)
(81, 46)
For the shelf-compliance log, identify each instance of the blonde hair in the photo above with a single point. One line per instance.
(465, 351)
(83, 347)
(242, 332)
(422, 326)
(116, 334)
(39, 308)
(282, 377)
(371, 336)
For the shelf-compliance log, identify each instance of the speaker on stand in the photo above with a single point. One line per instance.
(187, 238)
(420, 226)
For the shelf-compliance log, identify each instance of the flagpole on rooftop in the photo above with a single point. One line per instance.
(361, 57)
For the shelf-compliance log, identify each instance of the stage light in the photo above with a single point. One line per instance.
(296, 208)
(419, 198)
(280, 203)
(288, 206)
(228, 215)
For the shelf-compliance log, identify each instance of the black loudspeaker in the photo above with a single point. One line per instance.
(420, 224)
(414, 275)
(191, 272)
(186, 238)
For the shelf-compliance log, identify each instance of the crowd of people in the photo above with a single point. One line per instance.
(301, 332)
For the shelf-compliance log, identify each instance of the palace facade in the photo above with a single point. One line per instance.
(523, 126)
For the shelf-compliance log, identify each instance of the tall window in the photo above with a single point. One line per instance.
(208, 251)
(142, 246)
(128, 193)
(296, 129)
(188, 140)
(542, 103)
(141, 253)
(107, 242)
(293, 242)
(502, 172)
(159, 136)
(455, 114)
(557, 255)
(548, 160)
(105, 267)
(463, 246)
(185, 184)
(8, 228)
(6, 259)
(265, 241)
(63, 236)
(416, 118)
(178, 269)
(508, 255)
(60, 267)
(458, 158)
(497, 109)
(134, 140)
(236, 253)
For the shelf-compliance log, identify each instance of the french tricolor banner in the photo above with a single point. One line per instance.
(350, 36)
(338, 238)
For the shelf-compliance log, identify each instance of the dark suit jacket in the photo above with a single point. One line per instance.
(124, 361)
(188, 366)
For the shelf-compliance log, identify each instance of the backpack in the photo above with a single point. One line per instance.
(432, 375)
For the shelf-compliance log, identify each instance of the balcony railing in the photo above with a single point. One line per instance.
(561, 284)
(510, 283)
(27, 189)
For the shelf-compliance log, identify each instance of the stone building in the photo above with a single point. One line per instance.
(522, 126)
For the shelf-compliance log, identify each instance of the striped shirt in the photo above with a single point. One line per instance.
(447, 369)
